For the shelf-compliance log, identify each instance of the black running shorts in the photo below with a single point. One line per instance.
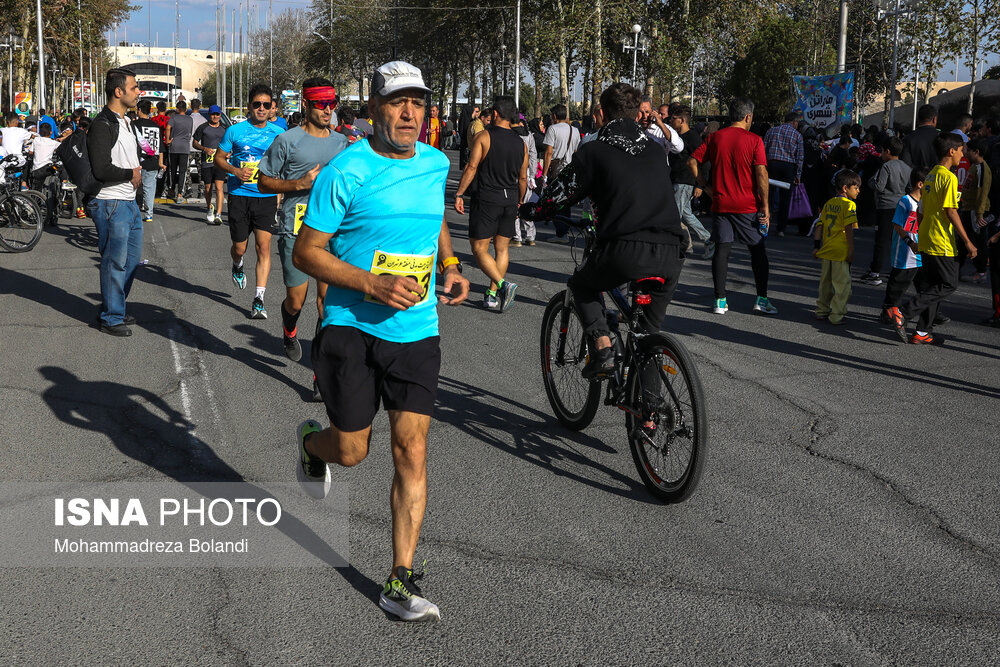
(248, 213)
(356, 371)
(210, 173)
(487, 220)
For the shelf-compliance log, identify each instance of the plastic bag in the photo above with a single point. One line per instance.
(799, 206)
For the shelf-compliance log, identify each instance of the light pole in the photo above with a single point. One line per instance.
(517, 58)
(901, 9)
(635, 48)
(41, 54)
(13, 42)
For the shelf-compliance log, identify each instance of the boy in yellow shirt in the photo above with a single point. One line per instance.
(834, 244)
(939, 227)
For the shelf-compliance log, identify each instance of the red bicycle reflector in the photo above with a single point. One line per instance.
(643, 299)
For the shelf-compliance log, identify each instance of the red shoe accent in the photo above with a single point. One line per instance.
(294, 332)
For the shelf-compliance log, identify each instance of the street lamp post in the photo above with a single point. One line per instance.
(41, 54)
(902, 8)
(635, 48)
(13, 42)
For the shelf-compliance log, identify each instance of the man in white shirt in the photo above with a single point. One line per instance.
(15, 137)
(659, 131)
(114, 159)
(561, 141)
(43, 148)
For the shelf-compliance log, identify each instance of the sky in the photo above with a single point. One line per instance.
(197, 26)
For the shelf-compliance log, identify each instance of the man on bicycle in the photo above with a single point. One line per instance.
(638, 226)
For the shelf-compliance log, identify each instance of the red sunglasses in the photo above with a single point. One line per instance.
(322, 104)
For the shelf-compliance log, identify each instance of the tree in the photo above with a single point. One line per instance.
(764, 73)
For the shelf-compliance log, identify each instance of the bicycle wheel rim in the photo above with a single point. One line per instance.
(21, 223)
(669, 457)
(571, 395)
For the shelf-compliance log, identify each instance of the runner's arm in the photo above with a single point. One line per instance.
(310, 256)
(276, 186)
(452, 276)
(222, 162)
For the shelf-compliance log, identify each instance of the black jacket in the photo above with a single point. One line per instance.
(101, 138)
(628, 181)
(918, 147)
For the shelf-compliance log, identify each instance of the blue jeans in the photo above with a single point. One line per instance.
(149, 191)
(683, 194)
(119, 239)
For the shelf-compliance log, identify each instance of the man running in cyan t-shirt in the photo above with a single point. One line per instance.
(381, 202)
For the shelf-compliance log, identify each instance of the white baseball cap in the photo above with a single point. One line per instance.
(395, 76)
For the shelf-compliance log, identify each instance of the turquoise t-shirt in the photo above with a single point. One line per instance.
(247, 144)
(385, 216)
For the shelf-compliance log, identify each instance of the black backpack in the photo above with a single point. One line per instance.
(76, 160)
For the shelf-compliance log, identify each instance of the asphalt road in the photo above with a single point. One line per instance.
(847, 515)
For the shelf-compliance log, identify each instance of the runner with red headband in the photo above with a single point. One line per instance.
(289, 168)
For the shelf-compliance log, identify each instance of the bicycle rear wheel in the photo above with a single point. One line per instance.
(20, 223)
(574, 399)
(665, 393)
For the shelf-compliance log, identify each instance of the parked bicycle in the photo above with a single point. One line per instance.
(655, 382)
(20, 212)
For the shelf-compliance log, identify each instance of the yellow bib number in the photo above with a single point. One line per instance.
(418, 267)
(300, 215)
(256, 172)
(210, 156)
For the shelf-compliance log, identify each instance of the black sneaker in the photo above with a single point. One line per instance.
(293, 349)
(312, 472)
(402, 598)
(601, 364)
(120, 330)
(940, 319)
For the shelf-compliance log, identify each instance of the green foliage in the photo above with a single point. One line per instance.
(764, 74)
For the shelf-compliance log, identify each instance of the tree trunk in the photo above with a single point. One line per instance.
(454, 87)
(471, 94)
(563, 61)
(586, 85)
(597, 70)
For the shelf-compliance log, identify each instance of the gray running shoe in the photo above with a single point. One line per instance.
(257, 311)
(491, 302)
(506, 295)
(403, 599)
(312, 472)
(239, 278)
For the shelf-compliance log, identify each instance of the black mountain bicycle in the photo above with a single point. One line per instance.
(654, 382)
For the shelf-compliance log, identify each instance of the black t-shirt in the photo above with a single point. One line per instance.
(627, 187)
(149, 131)
(679, 170)
(209, 137)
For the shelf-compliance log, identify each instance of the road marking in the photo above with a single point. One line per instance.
(197, 384)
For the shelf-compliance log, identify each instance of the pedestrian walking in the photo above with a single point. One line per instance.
(739, 200)
(785, 153)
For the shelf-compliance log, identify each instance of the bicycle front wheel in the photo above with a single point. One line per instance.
(665, 418)
(20, 223)
(574, 399)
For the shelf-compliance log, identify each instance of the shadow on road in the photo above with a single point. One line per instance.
(717, 331)
(144, 427)
(543, 442)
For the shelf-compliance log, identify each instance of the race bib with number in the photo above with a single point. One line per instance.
(300, 214)
(418, 267)
(210, 156)
(256, 172)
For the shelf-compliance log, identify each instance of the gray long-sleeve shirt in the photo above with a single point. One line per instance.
(890, 183)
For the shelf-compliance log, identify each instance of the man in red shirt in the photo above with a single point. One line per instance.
(739, 200)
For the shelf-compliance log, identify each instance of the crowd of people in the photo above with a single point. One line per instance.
(356, 199)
